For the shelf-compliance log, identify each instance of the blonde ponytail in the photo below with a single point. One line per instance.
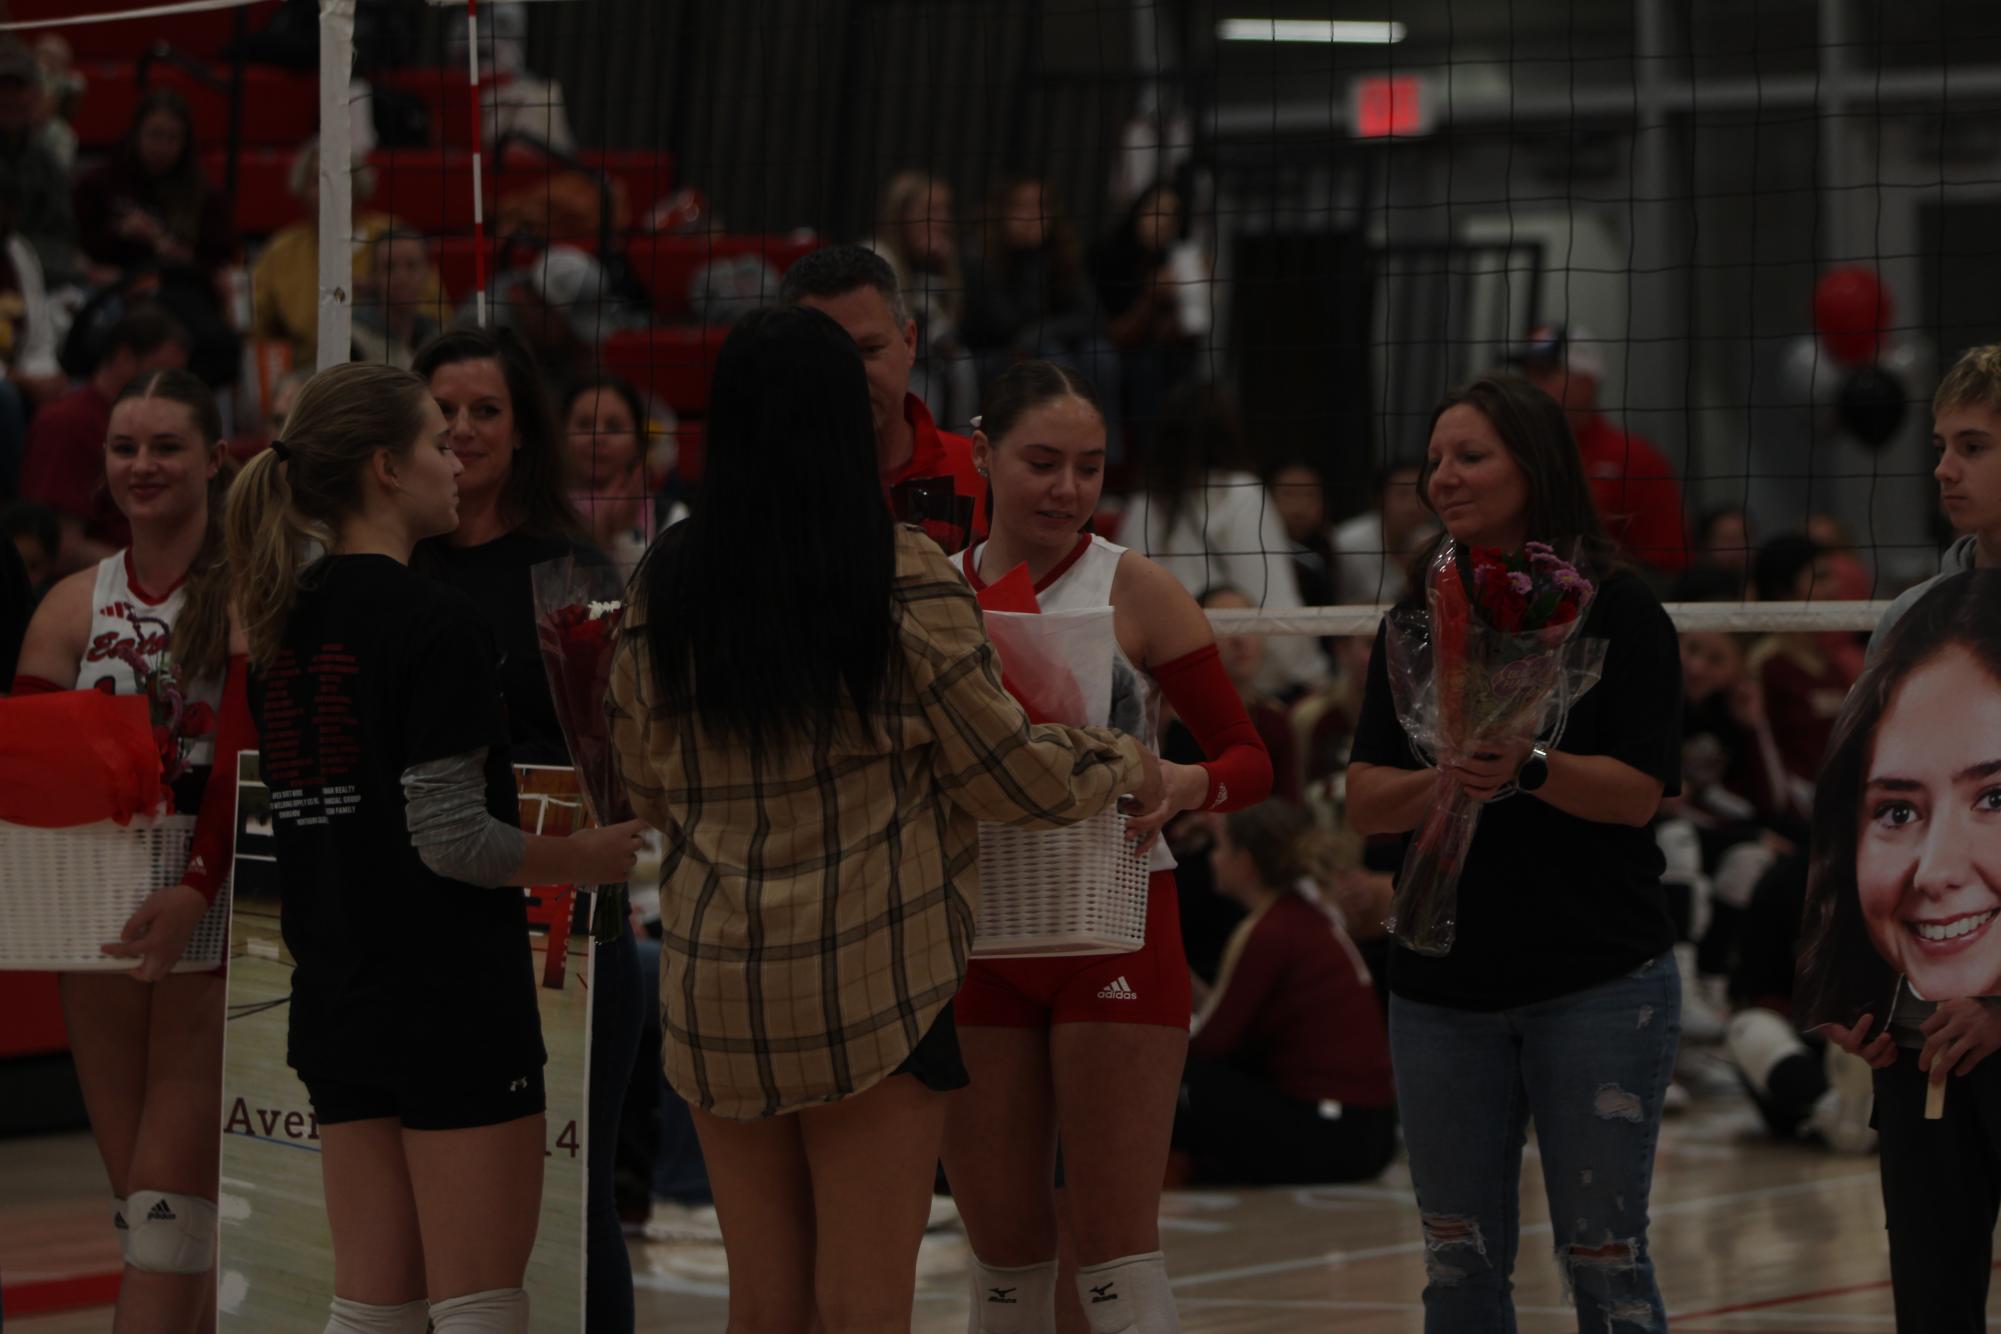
(288, 501)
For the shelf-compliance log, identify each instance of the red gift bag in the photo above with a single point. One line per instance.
(75, 758)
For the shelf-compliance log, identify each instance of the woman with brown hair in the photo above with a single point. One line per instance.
(384, 746)
(1560, 1002)
(516, 511)
(917, 232)
(149, 1057)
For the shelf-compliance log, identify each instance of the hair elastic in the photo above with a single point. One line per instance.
(279, 448)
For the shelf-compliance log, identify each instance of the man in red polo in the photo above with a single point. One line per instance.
(1631, 481)
(927, 474)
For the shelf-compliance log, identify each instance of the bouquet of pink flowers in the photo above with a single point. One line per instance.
(578, 608)
(1495, 659)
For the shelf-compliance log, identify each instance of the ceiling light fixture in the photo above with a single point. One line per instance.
(1361, 32)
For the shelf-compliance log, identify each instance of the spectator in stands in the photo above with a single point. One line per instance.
(1027, 295)
(1372, 550)
(36, 537)
(150, 207)
(927, 473)
(1966, 432)
(148, 216)
(285, 281)
(41, 182)
(1723, 539)
(1301, 497)
(1208, 520)
(1804, 686)
(1805, 1088)
(1632, 483)
(514, 98)
(1288, 1077)
(917, 232)
(1243, 661)
(61, 86)
(1140, 291)
(396, 311)
(64, 468)
(605, 427)
(27, 340)
(561, 303)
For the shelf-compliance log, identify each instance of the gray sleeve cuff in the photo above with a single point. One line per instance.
(445, 809)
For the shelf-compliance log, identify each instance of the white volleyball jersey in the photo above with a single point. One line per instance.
(1082, 581)
(125, 617)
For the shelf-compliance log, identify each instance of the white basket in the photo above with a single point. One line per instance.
(1072, 891)
(64, 892)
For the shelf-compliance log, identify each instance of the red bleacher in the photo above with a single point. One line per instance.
(206, 32)
(279, 107)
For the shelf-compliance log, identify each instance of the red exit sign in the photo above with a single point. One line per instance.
(1381, 106)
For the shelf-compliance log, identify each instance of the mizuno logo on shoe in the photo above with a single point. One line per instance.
(1104, 1294)
(159, 1213)
(1005, 1296)
(1119, 990)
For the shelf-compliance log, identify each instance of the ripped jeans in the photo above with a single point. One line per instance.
(1590, 1070)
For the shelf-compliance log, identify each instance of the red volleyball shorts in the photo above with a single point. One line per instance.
(1147, 986)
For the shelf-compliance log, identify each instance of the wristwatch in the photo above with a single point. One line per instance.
(1535, 769)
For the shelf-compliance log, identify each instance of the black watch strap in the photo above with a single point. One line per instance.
(1535, 769)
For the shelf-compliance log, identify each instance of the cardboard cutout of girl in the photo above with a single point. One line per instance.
(1906, 876)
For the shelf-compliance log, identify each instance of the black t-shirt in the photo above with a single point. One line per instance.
(400, 970)
(1551, 904)
(495, 576)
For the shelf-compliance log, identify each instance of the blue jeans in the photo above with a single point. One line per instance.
(1590, 1070)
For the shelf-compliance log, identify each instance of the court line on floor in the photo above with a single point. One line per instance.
(1532, 1230)
(1769, 1302)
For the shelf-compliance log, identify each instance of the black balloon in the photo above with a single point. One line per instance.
(1871, 405)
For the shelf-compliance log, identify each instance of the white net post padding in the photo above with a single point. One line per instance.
(336, 314)
(68, 891)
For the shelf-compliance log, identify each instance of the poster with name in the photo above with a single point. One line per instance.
(275, 1268)
(1905, 884)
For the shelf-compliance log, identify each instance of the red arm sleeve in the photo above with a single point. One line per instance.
(214, 848)
(1239, 767)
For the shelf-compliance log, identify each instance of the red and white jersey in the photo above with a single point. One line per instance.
(1082, 581)
(124, 615)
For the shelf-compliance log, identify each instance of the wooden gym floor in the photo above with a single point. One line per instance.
(1750, 1237)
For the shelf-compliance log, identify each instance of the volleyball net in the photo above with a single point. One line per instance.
(1742, 240)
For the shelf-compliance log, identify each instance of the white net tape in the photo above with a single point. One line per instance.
(1688, 617)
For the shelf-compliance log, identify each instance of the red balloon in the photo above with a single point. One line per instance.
(1851, 312)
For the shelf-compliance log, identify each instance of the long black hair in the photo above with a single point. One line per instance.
(536, 498)
(768, 642)
(1536, 433)
(1841, 976)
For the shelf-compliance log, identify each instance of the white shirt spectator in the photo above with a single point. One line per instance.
(1230, 534)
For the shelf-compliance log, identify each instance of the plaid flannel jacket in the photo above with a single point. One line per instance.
(817, 907)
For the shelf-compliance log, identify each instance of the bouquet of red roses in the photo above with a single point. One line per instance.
(578, 608)
(1495, 659)
(178, 722)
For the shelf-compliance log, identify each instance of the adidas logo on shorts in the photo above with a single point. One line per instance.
(159, 1213)
(1120, 989)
